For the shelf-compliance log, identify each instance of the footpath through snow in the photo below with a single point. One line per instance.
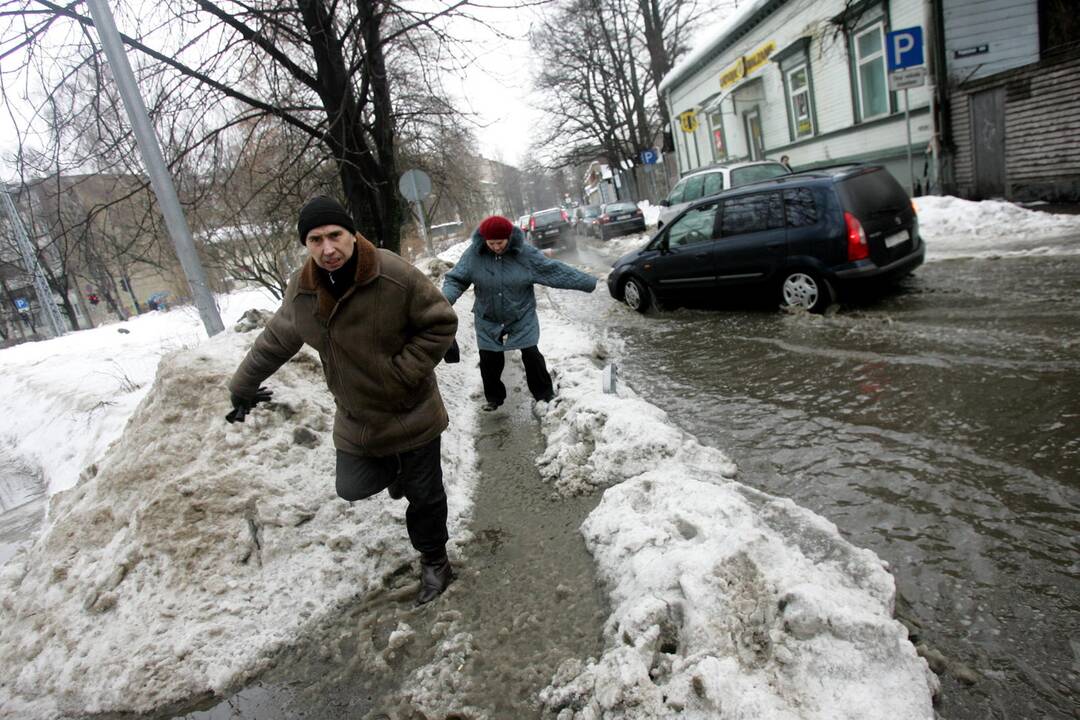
(191, 550)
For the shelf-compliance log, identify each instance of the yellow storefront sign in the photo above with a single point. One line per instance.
(688, 121)
(746, 65)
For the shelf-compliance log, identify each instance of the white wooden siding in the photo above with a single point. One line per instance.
(832, 90)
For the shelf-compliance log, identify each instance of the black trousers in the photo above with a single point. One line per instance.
(420, 471)
(536, 374)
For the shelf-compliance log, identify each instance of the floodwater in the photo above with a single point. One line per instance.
(938, 426)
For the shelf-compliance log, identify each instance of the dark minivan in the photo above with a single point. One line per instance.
(801, 236)
(549, 228)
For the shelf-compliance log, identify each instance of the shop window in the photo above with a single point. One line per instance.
(798, 90)
(871, 82)
(716, 133)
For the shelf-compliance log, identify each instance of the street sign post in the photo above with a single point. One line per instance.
(904, 57)
(415, 185)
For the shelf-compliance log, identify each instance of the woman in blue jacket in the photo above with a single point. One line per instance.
(502, 268)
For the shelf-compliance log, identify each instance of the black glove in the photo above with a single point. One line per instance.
(453, 354)
(242, 406)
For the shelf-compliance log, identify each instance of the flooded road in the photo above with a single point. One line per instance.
(938, 426)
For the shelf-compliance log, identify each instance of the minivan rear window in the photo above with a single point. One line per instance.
(872, 192)
(756, 173)
(620, 207)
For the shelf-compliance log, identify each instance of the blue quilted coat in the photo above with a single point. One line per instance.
(505, 306)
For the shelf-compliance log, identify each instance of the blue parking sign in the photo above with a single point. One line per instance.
(904, 48)
(650, 156)
(22, 304)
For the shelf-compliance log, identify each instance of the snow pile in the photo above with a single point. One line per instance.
(728, 603)
(194, 549)
(953, 228)
(84, 386)
(595, 440)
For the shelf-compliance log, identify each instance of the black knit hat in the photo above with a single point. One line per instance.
(322, 210)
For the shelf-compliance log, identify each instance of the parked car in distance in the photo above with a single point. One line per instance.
(549, 228)
(801, 237)
(619, 218)
(584, 221)
(711, 180)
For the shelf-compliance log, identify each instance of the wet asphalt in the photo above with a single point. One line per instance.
(937, 424)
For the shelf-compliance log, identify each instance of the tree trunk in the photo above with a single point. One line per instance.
(366, 167)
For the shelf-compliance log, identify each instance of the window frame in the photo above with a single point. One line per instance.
(716, 131)
(790, 93)
(878, 24)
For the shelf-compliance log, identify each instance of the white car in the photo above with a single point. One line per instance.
(712, 180)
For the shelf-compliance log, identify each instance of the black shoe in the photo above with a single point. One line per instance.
(434, 579)
(396, 489)
(489, 406)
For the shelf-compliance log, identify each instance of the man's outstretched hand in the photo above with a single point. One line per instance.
(242, 406)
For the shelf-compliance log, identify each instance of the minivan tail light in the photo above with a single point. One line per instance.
(857, 249)
(532, 223)
(602, 219)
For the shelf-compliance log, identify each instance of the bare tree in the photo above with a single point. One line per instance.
(602, 61)
(325, 69)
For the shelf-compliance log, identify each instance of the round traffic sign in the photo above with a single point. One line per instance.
(415, 185)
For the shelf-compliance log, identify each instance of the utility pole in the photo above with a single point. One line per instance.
(160, 179)
(33, 268)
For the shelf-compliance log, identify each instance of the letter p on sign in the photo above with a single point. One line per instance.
(905, 48)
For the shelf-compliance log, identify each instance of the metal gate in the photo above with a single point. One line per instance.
(988, 141)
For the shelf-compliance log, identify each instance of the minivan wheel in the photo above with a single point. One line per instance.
(806, 289)
(636, 295)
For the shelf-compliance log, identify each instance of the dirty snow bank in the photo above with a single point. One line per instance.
(83, 387)
(728, 603)
(193, 550)
(954, 228)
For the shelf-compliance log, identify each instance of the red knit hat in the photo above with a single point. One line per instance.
(496, 227)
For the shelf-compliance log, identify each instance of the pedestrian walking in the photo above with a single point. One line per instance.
(503, 268)
(380, 328)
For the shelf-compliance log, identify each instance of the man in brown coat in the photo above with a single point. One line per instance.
(380, 327)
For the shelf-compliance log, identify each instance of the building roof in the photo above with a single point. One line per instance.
(719, 39)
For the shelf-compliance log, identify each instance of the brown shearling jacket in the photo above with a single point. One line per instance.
(379, 346)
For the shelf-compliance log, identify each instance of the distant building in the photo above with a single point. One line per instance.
(995, 117)
(100, 246)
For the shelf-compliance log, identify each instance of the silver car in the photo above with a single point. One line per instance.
(714, 179)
